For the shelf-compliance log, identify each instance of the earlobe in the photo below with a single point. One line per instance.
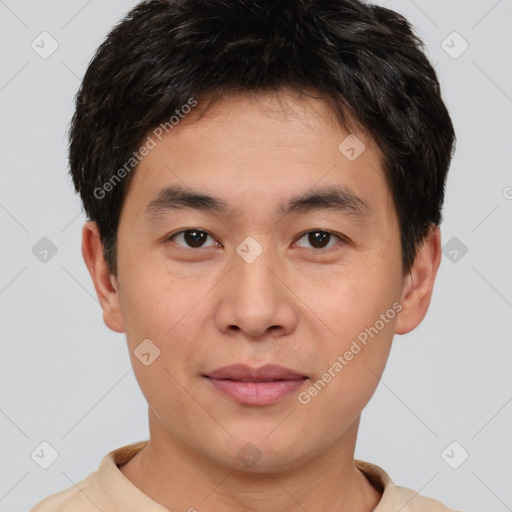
(104, 283)
(419, 284)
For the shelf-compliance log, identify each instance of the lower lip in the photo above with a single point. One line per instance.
(257, 393)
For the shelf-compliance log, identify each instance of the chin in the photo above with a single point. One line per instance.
(260, 453)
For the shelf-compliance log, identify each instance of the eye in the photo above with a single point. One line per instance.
(319, 239)
(192, 238)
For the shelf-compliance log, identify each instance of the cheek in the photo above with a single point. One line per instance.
(352, 368)
(163, 375)
(171, 313)
(363, 308)
(350, 299)
(360, 308)
(153, 305)
(164, 390)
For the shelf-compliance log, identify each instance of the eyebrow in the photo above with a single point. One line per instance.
(332, 197)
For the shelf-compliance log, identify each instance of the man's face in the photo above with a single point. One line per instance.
(259, 282)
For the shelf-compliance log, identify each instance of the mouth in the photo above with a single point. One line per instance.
(256, 386)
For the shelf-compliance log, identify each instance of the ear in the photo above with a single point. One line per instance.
(105, 283)
(419, 284)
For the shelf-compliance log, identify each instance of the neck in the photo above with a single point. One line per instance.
(179, 478)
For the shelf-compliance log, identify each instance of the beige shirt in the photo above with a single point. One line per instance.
(108, 490)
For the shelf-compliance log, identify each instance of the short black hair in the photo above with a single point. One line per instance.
(362, 59)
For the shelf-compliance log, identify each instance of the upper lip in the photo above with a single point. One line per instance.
(265, 373)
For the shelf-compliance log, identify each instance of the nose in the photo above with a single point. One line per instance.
(255, 299)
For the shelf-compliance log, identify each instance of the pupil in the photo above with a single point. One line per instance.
(194, 238)
(318, 239)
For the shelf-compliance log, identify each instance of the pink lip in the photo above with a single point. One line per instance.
(256, 386)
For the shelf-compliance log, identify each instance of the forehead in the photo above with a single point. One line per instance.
(293, 117)
(257, 146)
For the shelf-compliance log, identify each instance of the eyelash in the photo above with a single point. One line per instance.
(323, 250)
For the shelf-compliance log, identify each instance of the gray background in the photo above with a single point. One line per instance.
(67, 380)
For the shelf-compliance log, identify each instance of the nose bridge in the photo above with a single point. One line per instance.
(253, 277)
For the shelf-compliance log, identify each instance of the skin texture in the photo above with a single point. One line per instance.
(295, 305)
